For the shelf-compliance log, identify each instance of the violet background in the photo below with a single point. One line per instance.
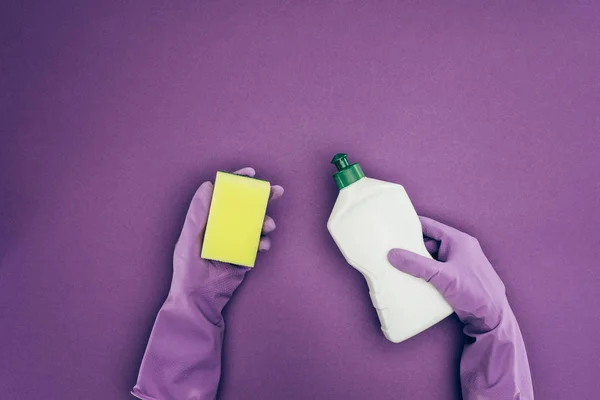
(112, 113)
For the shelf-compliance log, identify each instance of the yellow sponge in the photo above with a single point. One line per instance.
(235, 219)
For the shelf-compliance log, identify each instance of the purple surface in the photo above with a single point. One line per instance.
(112, 114)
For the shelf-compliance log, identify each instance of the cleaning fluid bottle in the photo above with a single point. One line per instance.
(371, 217)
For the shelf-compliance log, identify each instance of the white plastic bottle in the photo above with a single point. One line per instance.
(369, 218)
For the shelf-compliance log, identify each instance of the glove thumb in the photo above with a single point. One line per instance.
(413, 264)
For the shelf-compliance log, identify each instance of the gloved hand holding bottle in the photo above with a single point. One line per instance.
(183, 356)
(494, 363)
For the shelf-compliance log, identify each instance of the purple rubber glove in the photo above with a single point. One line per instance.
(494, 362)
(183, 356)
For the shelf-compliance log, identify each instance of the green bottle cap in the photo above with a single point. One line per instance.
(347, 173)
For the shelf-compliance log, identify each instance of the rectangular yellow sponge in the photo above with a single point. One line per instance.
(235, 219)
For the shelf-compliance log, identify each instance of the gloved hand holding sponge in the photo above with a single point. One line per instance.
(224, 229)
(183, 356)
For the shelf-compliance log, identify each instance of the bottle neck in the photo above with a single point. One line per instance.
(348, 175)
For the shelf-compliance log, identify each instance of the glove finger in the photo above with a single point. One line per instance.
(276, 192)
(195, 221)
(438, 230)
(413, 264)
(434, 229)
(246, 171)
(268, 225)
(265, 244)
(432, 246)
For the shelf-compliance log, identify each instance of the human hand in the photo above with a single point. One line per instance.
(210, 283)
(183, 356)
(462, 274)
(494, 362)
